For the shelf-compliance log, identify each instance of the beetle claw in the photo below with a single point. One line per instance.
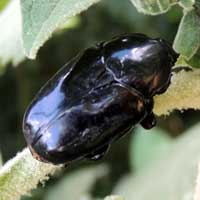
(98, 155)
(149, 121)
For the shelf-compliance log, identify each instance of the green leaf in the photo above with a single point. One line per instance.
(187, 40)
(153, 7)
(182, 94)
(181, 61)
(77, 184)
(10, 41)
(173, 177)
(41, 18)
(187, 4)
(195, 60)
(147, 146)
(71, 23)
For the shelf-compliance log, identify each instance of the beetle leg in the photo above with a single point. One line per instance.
(149, 121)
(99, 154)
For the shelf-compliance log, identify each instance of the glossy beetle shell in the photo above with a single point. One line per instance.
(97, 97)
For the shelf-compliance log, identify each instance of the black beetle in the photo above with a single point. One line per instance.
(97, 97)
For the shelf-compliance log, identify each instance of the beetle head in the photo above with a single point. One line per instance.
(140, 62)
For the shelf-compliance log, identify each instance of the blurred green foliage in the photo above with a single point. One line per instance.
(1, 162)
(172, 176)
(148, 146)
(78, 184)
(3, 3)
(19, 84)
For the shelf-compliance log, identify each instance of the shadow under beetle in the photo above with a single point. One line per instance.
(97, 97)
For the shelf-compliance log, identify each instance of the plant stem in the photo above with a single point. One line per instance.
(22, 174)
